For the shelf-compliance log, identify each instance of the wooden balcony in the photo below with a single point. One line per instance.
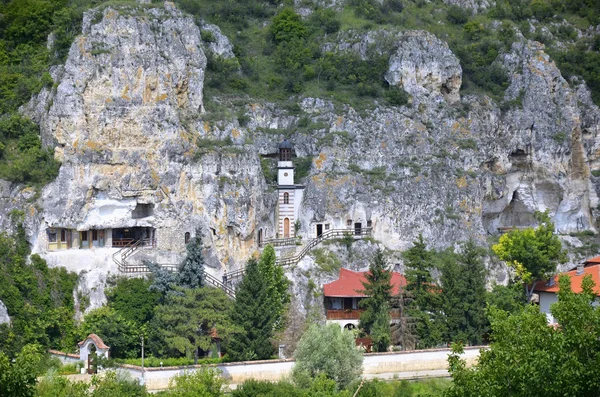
(352, 314)
(349, 314)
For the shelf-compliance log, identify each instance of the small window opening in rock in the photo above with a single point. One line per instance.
(214, 231)
(52, 235)
(369, 223)
(230, 229)
(327, 226)
(187, 237)
(349, 222)
(142, 211)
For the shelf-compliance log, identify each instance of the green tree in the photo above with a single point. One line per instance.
(425, 306)
(18, 378)
(277, 285)
(191, 270)
(509, 297)
(375, 319)
(204, 382)
(133, 299)
(326, 349)
(532, 253)
(528, 358)
(463, 294)
(117, 384)
(418, 263)
(121, 334)
(183, 324)
(53, 385)
(39, 299)
(254, 313)
(287, 26)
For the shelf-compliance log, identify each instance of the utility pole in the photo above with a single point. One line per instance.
(143, 380)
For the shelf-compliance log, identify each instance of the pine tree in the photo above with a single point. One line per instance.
(425, 307)
(191, 270)
(256, 316)
(463, 294)
(418, 265)
(375, 319)
(277, 284)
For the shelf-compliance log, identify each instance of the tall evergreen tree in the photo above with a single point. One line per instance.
(418, 265)
(256, 316)
(425, 306)
(463, 294)
(375, 319)
(277, 285)
(191, 270)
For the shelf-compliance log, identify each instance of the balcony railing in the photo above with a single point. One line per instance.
(353, 314)
(350, 314)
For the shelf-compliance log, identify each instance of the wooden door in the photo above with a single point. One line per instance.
(286, 228)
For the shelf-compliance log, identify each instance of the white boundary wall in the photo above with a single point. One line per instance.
(375, 365)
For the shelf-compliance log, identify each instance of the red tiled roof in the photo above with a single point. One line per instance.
(97, 341)
(349, 284)
(593, 270)
(592, 261)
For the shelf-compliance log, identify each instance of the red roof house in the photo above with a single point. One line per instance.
(342, 296)
(547, 291)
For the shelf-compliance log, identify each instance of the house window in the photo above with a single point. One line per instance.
(327, 226)
(349, 222)
(84, 235)
(63, 236)
(369, 224)
(187, 237)
(286, 198)
(94, 235)
(52, 235)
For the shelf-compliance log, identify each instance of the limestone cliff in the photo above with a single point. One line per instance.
(126, 118)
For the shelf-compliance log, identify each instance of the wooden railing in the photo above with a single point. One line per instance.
(122, 242)
(237, 275)
(120, 257)
(353, 314)
(280, 242)
(328, 235)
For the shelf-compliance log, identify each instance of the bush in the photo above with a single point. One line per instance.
(457, 15)
(329, 351)
(396, 96)
(287, 26)
(204, 382)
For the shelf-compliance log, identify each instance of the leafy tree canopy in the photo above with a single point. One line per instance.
(183, 324)
(532, 253)
(327, 350)
(529, 358)
(121, 334)
(133, 299)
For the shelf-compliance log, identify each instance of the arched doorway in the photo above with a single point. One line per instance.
(186, 237)
(260, 237)
(286, 228)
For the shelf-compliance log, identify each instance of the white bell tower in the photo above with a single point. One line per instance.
(289, 194)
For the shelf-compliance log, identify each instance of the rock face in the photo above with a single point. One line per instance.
(127, 122)
(424, 66)
(4, 318)
(120, 120)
